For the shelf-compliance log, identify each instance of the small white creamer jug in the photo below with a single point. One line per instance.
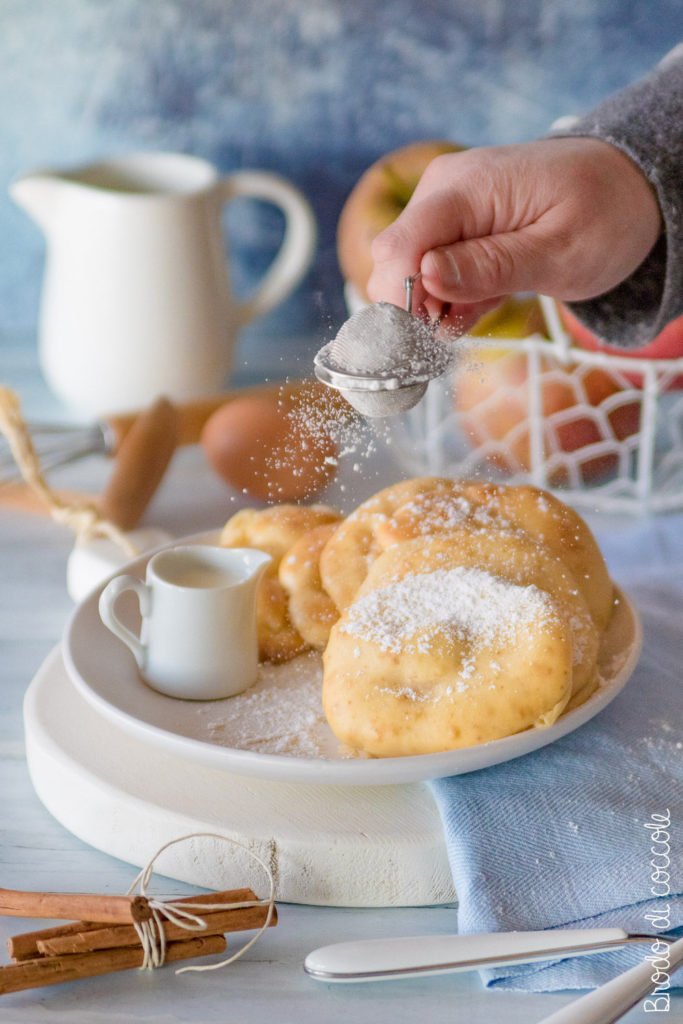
(198, 639)
(136, 298)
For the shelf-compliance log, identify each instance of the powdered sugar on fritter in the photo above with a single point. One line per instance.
(467, 605)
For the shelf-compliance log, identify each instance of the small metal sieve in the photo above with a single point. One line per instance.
(383, 358)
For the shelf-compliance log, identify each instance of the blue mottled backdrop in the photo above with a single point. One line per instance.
(313, 89)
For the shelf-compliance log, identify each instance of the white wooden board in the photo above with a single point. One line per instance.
(327, 845)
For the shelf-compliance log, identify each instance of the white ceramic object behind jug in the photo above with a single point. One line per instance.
(136, 298)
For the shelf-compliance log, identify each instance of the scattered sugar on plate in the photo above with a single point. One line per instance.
(281, 713)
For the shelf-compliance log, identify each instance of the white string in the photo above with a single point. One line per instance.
(151, 932)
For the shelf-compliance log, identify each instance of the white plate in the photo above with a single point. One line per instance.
(104, 671)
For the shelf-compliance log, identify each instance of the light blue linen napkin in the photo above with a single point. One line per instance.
(560, 837)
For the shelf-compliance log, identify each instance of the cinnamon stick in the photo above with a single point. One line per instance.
(55, 970)
(82, 936)
(217, 921)
(223, 896)
(25, 946)
(86, 906)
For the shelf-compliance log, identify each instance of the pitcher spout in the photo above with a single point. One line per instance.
(36, 193)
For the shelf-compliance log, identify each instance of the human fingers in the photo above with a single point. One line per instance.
(465, 195)
(571, 217)
(396, 257)
(475, 271)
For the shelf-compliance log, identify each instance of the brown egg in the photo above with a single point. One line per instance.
(269, 448)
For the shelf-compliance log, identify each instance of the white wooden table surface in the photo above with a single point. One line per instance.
(36, 852)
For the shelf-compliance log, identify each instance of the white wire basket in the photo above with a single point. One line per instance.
(603, 432)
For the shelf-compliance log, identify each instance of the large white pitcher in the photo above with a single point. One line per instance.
(136, 298)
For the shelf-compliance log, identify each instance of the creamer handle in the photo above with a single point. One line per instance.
(107, 601)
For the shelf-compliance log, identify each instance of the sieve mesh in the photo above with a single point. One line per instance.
(383, 339)
(381, 359)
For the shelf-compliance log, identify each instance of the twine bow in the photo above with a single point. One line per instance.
(151, 932)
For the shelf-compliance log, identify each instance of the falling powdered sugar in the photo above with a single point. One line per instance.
(321, 415)
(467, 606)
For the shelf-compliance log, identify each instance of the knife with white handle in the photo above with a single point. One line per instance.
(381, 959)
(610, 1002)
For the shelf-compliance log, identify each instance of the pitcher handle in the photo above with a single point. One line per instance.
(111, 620)
(298, 244)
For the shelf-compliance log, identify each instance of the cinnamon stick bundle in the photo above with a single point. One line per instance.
(85, 949)
(86, 936)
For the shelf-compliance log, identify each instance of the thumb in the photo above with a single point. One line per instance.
(478, 269)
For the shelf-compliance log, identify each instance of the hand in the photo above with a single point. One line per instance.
(567, 217)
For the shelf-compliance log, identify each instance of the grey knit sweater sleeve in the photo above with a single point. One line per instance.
(645, 121)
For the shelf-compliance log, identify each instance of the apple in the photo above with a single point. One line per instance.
(491, 396)
(516, 317)
(667, 345)
(376, 200)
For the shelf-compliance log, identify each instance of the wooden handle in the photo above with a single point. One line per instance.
(193, 415)
(141, 461)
